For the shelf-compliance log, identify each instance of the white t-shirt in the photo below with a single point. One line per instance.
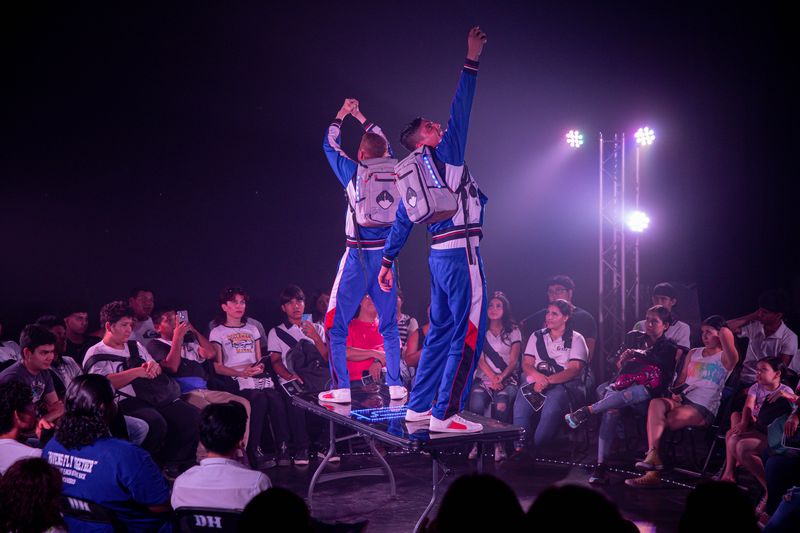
(67, 370)
(9, 351)
(557, 351)
(144, 331)
(501, 346)
(218, 483)
(12, 451)
(679, 333)
(783, 341)
(104, 368)
(760, 393)
(406, 325)
(252, 321)
(238, 344)
(276, 344)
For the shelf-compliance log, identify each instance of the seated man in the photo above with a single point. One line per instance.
(142, 303)
(38, 351)
(63, 368)
(364, 345)
(282, 338)
(171, 437)
(76, 322)
(220, 481)
(768, 334)
(665, 295)
(181, 350)
(17, 417)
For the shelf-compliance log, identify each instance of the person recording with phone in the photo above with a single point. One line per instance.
(553, 367)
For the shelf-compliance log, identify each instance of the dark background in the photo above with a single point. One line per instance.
(178, 145)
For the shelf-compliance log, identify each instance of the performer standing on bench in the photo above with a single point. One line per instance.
(358, 268)
(458, 288)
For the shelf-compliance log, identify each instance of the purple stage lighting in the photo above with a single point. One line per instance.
(645, 136)
(637, 221)
(574, 138)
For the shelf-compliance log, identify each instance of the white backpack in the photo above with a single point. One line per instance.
(424, 191)
(373, 196)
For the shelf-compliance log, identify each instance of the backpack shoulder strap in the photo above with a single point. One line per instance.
(541, 349)
(494, 357)
(285, 337)
(100, 357)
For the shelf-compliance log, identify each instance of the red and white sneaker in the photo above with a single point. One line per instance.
(397, 392)
(414, 416)
(454, 424)
(335, 396)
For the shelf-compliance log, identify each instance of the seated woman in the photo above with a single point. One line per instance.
(747, 438)
(408, 329)
(553, 365)
(643, 374)
(696, 394)
(495, 381)
(97, 467)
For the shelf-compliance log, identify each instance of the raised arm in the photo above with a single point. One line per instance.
(368, 126)
(344, 167)
(453, 145)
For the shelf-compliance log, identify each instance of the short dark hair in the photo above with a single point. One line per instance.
(35, 335)
(30, 497)
(284, 509)
(158, 314)
(291, 292)
(774, 300)
(714, 321)
(136, 290)
(15, 396)
(229, 293)
(409, 136)
(563, 280)
(563, 306)
(665, 289)
(775, 363)
(222, 426)
(662, 313)
(373, 145)
(114, 311)
(73, 307)
(49, 321)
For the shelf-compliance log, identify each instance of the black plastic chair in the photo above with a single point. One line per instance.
(201, 519)
(86, 511)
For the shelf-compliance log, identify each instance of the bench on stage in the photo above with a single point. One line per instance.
(373, 416)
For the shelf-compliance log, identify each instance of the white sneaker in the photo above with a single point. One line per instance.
(397, 392)
(455, 424)
(499, 452)
(335, 396)
(414, 416)
(473, 453)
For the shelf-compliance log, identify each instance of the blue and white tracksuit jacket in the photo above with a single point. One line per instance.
(458, 288)
(351, 283)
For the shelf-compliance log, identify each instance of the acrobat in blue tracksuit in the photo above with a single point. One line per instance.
(354, 280)
(458, 288)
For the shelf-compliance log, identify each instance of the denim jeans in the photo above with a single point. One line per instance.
(137, 429)
(787, 516)
(552, 413)
(480, 399)
(635, 396)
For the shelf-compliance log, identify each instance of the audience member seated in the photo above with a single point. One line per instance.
(696, 395)
(30, 498)
(782, 471)
(561, 287)
(496, 379)
(767, 399)
(38, 351)
(718, 506)
(144, 393)
(238, 355)
(76, 322)
(478, 502)
(282, 339)
(364, 345)
(281, 509)
(220, 481)
(142, 302)
(553, 366)
(408, 330)
(181, 350)
(768, 335)
(643, 374)
(665, 295)
(409, 357)
(572, 508)
(9, 351)
(112, 473)
(63, 368)
(17, 419)
(319, 306)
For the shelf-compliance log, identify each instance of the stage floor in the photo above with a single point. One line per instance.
(355, 499)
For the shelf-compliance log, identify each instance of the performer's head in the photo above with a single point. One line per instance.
(421, 132)
(372, 146)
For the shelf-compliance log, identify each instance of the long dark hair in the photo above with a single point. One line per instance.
(507, 320)
(30, 497)
(89, 407)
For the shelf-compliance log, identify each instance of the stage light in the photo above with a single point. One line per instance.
(637, 221)
(574, 138)
(645, 136)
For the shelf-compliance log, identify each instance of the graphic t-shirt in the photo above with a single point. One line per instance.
(115, 474)
(41, 383)
(239, 351)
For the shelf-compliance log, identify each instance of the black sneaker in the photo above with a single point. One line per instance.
(599, 475)
(283, 458)
(576, 418)
(302, 456)
(260, 460)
